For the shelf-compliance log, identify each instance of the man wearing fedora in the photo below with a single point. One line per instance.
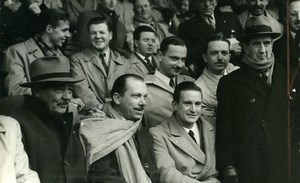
(251, 144)
(48, 123)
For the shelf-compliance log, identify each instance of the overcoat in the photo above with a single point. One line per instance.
(252, 125)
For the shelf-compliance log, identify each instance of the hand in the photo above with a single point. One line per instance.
(229, 175)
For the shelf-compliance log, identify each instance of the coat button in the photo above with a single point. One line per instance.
(66, 163)
(183, 169)
(252, 100)
(146, 165)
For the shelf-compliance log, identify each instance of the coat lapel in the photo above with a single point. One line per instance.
(91, 56)
(33, 49)
(114, 61)
(145, 142)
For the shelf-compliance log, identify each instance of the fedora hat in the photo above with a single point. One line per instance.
(256, 26)
(48, 70)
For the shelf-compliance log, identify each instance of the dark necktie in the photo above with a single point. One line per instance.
(102, 56)
(171, 83)
(192, 135)
(211, 22)
(263, 75)
(148, 61)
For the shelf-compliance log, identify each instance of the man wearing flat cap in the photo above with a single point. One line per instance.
(48, 122)
(251, 143)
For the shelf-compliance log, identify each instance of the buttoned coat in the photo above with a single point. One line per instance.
(95, 89)
(14, 165)
(138, 67)
(251, 125)
(52, 144)
(17, 60)
(159, 100)
(178, 157)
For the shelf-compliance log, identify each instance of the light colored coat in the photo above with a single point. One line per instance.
(138, 67)
(95, 89)
(14, 166)
(179, 158)
(159, 100)
(17, 60)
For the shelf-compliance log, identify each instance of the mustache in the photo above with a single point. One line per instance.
(257, 7)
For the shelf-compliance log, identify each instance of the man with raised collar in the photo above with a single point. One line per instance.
(184, 143)
(99, 64)
(143, 59)
(52, 33)
(161, 84)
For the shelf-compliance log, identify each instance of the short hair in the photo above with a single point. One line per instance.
(172, 40)
(50, 17)
(120, 86)
(215, 37)
(185, 86)
(143, 28)
(100, 20)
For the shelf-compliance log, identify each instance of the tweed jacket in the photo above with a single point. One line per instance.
(17, 60)
(178, 157)
(252, 124)
(138, 67)
(51, 143)
(159, 100)
(95, 89)
(14, 165)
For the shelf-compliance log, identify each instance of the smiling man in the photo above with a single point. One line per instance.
(99, 64)
(48, 122)
(52, 33)
(120, 149)
(183, 144)
(161, 84)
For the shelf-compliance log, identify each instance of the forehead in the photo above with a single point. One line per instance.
(190, 95)
(141, 2)
(204, 1)
(254, 1)
(99, 27)
(295, 6)
(218, 45)
(260, 39)
(135, 86)
(147, 35)
(176, 50)
(63, 23)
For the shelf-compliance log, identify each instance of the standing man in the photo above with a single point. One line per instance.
(184, 144)
(47, 122)
(161, 85)
(120, 149)
(251, 139)
(143, 59)
(216, 56)
(207, 21)
(98, 64)
(52, 33)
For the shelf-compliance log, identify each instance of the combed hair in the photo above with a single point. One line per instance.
(172, 40)
(120, 83)
(99, 20)
(215, 37)
(50, 17)
(143, 28)
(185, 86)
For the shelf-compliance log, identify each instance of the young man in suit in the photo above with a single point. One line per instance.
(251, 139)
(184, 144)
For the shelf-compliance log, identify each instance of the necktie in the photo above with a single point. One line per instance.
(171, 83)
(102, 56)
(212, 22)
(148, 61)
(263, 75)
(192, 135)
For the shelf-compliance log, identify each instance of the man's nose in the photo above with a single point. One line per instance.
(257, 2)
(193, 108)
(298, 15)
(68, 35)
(262, 48)
(67, 95)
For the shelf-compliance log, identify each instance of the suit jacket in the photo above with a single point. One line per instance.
(17, 60)
(14, 160)
(196, 31)
(159, 100)
(178, 157)
(138, 67)
(106, 169)
(251, 125)
(95, 89)
(52, 143)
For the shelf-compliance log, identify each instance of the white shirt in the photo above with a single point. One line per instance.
(196, 131)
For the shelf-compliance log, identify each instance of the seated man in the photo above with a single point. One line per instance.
(183, 144)
(120, 149)
(47, 122)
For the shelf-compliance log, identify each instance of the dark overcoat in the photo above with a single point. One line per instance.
(251, 125)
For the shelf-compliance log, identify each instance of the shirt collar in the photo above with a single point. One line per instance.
(143, 57)
(107, 54)
(163, 77)
(195, 129)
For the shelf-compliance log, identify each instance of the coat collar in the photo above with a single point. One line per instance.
(32, 48)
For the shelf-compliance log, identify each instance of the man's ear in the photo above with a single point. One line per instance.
(49, 29)
(204, 57)
(135, 43)
(110, 35)
(174, 105)
(116, 98)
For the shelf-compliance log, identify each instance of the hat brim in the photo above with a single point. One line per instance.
(245, 37)
(51, 80)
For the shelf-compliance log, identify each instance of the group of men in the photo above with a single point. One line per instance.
(98, 117)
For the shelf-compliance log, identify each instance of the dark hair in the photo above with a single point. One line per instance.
(143, 28)
(120, 86)
(215, 37)
(50, 17)
(185, 86)
(172, 40)
(99, 20)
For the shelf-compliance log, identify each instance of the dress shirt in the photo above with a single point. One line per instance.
(143, 57)
(196, 131)
(165, 79)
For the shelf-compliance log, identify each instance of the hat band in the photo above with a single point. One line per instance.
(51, 75)
(258, 29)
